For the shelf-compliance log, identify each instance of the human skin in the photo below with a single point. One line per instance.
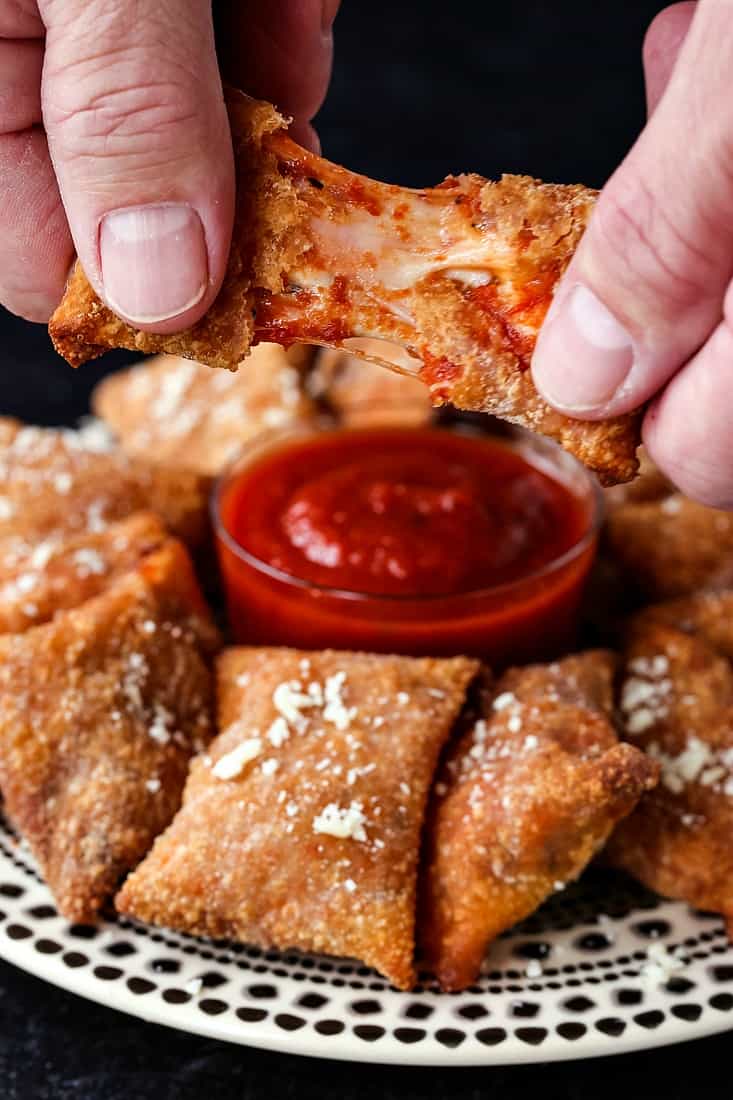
(115, 143)
(644, 312)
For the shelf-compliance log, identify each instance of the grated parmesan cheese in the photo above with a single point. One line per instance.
(661, 964)
(278, 733)
(89, 562)
(342, 822)
(233, 763)
(335, 710)
(159, 728)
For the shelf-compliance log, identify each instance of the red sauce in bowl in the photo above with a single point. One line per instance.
(403, 540)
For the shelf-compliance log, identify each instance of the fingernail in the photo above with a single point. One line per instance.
(154, 261)
(583, 353)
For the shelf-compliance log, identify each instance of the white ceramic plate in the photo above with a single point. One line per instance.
(594, 995)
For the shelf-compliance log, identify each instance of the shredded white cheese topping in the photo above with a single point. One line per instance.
(233, 763)
(338, 821)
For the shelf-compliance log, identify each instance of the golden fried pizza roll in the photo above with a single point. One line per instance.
(301, 826)
(61, 571)
(100, 710)
(58, 480)
(361, 393)
(524, 801)
(178, 413)
(707, 614)
(671, 546)
(460, 276)
(677, 704)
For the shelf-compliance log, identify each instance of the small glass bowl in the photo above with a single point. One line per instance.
(531, 618)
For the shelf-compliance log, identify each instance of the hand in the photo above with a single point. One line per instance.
(114, 142)
(644, 310)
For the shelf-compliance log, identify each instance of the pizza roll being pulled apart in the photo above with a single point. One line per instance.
(301, 826)
(460, 275)
(183, 415)
(55, 481)
(100, 710)
(63, 571)
(677, 704)
(524, 801)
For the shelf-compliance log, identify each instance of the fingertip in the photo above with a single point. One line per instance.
(279, 51)
(35, 243)
(583, 354)
(686, 428)
(154, 265)
(33, 308)
(662, 43)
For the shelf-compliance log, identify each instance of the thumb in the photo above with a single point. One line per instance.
(139, 138)
(646, 285)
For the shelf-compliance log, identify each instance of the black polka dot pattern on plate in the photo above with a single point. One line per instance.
(567, 982)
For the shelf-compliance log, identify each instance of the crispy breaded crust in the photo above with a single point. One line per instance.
(677, 704)
(55, 481)
(524, 801)
(707, 614)
(671, 546)
(63, 571)
(100, 711)
(252, 857)
(180, 414)
(649, 484)
(460, 275)
(264, 236)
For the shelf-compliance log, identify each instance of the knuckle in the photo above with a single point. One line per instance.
(147, 118)
(650, 253)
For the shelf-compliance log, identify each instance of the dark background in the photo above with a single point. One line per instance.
(420, 89)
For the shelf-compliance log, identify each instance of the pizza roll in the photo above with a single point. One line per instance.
(524, 801)
(460, 276)
(301, 826)
(707, 614)
(361, 393)
(100, 710)
(178, 413)
(63, 571)
(677, 704)
(54, 480)
(671, 546)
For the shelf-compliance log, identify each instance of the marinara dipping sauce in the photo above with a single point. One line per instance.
(407, 540)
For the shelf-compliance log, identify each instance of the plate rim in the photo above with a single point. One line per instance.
(22, 881)
(278, 1042)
